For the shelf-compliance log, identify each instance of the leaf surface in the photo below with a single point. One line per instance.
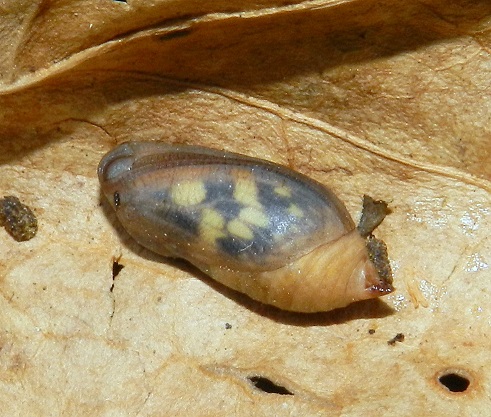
(389, 99)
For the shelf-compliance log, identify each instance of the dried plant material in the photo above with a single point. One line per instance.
(415, 292)
(398, 338)
(372, 215)
(389, 99)
(377, 252)
(18, 219)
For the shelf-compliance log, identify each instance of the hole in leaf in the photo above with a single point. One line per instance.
(117, 267)
(454, 382)
(266, 385)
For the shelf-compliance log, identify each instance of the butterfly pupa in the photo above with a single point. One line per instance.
(255, 226)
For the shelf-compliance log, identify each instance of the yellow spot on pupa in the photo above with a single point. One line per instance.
(294, 210)
(188, 193)
(211, 225)
(254, 216)
(212, 218)
(283, 190)
(245, 192)
(238, 228)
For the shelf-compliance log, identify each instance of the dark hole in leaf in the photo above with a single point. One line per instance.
(266, 385)
(117, 267)
(454, 382)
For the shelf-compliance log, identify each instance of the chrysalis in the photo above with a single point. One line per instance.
(255, 226)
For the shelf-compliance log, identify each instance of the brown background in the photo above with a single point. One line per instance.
(388, 98)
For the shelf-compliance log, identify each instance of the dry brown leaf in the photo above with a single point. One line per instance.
(386, 98)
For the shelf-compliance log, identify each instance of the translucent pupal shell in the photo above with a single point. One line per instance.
(255, 226)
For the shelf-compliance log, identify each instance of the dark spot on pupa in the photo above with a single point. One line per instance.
(116, 199)
(184, 220)
(228, 209)
(269, 199)
(233, 246)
